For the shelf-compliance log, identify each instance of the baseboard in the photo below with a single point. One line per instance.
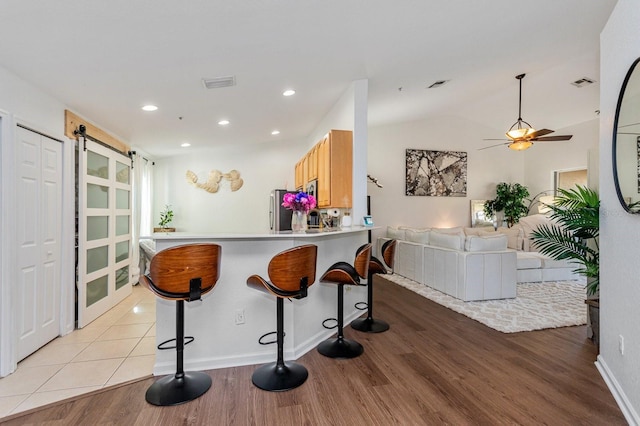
(627, 409)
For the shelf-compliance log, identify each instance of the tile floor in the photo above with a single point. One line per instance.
(117, 347)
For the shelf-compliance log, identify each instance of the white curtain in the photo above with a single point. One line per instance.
(142, 202)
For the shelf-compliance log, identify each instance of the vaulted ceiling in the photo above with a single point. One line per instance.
(106, 59)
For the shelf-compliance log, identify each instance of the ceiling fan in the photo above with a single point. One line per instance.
(521, 135)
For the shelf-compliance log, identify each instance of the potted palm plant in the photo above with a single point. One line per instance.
(574, 237)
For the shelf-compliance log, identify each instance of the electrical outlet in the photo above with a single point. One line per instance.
(239, 316)
(621, 344)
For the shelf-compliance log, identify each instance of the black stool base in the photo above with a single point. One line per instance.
(170, 390)
(369, 325)
(340, 348)
(274, 377)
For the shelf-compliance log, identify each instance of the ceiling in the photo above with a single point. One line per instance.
(106, 59)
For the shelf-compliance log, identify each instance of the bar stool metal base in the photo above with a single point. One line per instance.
(171, 390)
(274, 377)
(369, 325)
(337, 347)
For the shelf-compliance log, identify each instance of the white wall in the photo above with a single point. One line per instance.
(620, 232)
(485, 168)
(545, 157)
(23, 103)
(532, 168)
(263, 167)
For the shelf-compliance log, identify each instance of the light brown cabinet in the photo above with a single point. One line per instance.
(299, 180)
(330, 162)
(335, 169)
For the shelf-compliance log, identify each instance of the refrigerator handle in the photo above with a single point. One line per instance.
(271, 206)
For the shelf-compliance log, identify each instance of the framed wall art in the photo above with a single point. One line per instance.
(436, 173)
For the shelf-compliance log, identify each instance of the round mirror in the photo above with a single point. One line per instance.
(626, 141)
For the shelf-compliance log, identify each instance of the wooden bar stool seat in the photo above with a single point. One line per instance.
(182, 273)
(370, 324)
(291, 273)
(343, 273)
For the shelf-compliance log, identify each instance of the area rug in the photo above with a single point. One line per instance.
(537, 305)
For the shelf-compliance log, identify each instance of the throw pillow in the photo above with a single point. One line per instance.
(417, 235)
(514, 236)
(530, 224)
(486, 243)
(395, 233)
(444, 240)
(480, 230)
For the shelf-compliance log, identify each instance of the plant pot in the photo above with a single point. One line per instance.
(594, 320)
(164, 229)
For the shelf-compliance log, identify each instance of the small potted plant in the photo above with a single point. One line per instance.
(166, 216)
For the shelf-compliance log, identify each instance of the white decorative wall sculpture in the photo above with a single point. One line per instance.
(213, 181)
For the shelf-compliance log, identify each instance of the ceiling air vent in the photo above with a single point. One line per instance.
(438, 84)
(584, 81)
(218, 82)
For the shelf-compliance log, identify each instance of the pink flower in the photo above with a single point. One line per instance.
(299, 202)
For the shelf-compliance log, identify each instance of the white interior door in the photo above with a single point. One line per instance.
(39, 161)
(104, 230)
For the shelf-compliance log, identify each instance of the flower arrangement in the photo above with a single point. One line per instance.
(300, 202)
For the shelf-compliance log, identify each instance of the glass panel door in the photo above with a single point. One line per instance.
(104, 231)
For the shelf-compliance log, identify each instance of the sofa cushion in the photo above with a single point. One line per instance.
(549, 263)
(515, 237)
(486, 243)
(528, 260)
(395, 233)
(417, 235)
(446, 240)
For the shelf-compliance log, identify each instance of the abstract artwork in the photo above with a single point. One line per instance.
(436, 173)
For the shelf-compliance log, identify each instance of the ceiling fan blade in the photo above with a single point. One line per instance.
(501, 139)
(493, 146)
(552, 138)
(539, 133)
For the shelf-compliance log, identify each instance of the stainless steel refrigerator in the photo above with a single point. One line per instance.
(279, 217)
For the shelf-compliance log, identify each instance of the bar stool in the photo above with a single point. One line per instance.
(291, 272)
(182, 273)
(369, 324)
(342, 273)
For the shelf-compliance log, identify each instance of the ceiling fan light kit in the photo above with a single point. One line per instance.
(520, 145)
(521, 135)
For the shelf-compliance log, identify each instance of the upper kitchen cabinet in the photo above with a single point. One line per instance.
(335, 169)
(313, 163)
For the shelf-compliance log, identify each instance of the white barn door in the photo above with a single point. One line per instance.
(104, 230)
(39, 195)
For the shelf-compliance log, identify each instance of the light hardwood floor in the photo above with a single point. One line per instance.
(432, 367)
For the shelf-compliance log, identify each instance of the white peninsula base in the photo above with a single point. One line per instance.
(220, 340)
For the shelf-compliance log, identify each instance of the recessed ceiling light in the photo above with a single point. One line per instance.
(185, 144)
(223, 122)
(275, 132)
(289, 92)
(149, 108)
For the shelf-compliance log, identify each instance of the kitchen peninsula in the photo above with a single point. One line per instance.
(228, 321)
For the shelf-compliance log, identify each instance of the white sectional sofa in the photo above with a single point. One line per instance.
(466, 267)
(476, 274)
